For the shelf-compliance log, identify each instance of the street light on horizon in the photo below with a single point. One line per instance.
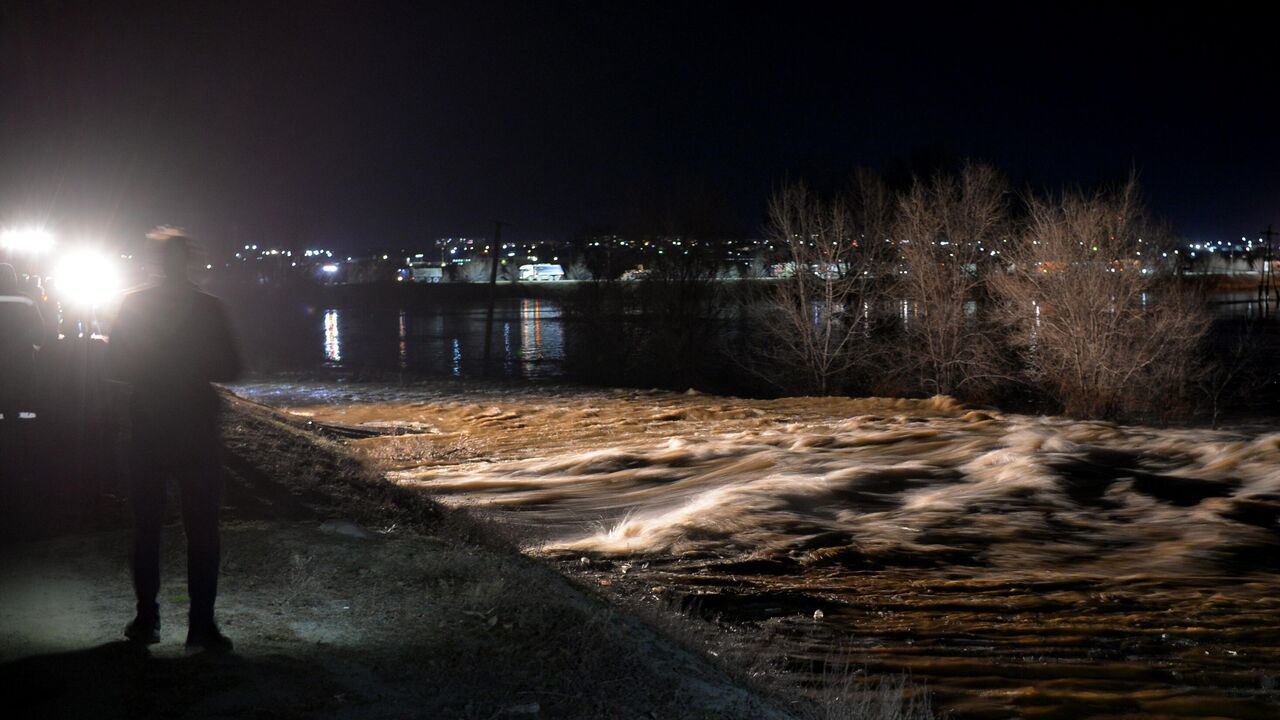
(27, 240)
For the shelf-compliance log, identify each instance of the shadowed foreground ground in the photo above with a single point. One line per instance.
(346, 598)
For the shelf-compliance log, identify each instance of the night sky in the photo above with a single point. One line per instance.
(343, 125)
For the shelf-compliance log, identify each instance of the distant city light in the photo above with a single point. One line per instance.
(26, 240)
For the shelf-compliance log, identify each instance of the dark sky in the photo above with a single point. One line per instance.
(352, 126)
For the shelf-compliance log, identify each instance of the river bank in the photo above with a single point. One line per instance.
(346, 597)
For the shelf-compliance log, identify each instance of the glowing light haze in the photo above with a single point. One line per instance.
(86, 277)
(26, 240)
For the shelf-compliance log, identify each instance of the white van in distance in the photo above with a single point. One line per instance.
(541, 273)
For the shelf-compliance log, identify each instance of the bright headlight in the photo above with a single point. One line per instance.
(86, 278)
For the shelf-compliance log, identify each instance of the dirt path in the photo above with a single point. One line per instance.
(389, 611)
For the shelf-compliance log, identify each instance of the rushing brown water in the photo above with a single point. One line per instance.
(1018, 566)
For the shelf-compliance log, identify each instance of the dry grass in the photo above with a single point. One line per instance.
(845, 692)
(833, 688)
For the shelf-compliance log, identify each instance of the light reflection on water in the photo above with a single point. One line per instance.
(404, 345)
(332, 337)
(528, 340)
(1242, 306)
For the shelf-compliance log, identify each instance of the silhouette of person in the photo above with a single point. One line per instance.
(170, 341)
(21, 332)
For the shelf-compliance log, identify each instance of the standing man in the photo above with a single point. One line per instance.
(169, 342)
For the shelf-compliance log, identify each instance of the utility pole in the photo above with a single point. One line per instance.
(494, 250)
(1267, 283)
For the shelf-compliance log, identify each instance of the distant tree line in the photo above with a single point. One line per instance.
(950, 283)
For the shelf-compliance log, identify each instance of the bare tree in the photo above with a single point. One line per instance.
(1100, 324)
(477, 271)
(1233, 373)
(949, 231)
(755, 268)
(820, 322)
(578, 271)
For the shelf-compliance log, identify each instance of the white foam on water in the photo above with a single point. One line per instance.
(653, 473)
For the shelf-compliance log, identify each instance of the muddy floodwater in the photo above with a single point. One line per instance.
(1016, 566)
